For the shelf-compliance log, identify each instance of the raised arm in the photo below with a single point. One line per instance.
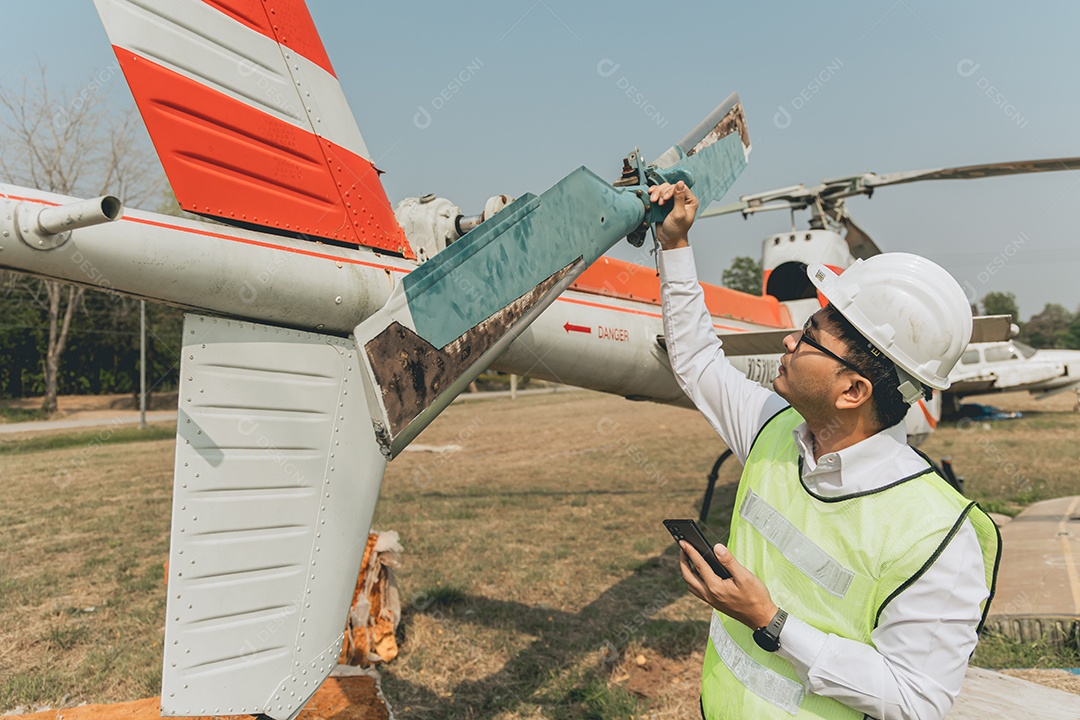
(735, 406)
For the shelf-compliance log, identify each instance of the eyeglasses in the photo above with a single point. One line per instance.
(818, 346)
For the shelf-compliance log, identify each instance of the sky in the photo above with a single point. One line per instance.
(471, 99)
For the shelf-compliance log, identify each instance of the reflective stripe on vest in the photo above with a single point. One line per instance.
(801, 551)
(771, 686)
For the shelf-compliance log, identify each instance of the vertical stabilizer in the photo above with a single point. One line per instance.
(249, 119)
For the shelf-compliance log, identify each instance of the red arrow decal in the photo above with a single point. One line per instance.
(577, 328)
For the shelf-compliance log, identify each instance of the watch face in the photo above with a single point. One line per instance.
(766, 641)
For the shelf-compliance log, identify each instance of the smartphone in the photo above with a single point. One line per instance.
(689, 531)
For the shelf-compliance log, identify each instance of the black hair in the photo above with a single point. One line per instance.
(886, 401)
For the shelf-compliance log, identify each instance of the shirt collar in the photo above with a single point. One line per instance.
(859, 467)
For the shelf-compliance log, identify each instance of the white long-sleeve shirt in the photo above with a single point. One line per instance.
(916, 664)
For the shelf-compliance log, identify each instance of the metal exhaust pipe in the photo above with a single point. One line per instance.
(49, 228)
(55, 220)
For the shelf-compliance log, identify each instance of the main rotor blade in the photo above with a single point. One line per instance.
(724, 209)
(830, 191)
(971, 172)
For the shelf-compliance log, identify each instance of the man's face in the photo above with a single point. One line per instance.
(807, 377)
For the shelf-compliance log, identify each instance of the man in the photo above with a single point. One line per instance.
(859, 577)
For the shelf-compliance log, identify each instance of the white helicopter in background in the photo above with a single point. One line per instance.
(993, 362)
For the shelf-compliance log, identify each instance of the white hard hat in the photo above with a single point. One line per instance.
(909, 308)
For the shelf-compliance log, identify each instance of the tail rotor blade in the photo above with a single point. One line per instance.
(451, 317)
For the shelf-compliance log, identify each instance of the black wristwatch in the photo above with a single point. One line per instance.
(768, 637)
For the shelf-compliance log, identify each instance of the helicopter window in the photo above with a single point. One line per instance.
(1000, 353)
(970, 357)
(1026, 350)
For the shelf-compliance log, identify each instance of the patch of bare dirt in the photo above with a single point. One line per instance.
(651, 675)
(1057, 679)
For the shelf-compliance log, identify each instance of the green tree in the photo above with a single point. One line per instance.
(1071, 337)
(1001, 303)
(1048, 328)
(744, 275)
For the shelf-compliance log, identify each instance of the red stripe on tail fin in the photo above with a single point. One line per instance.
(285, 21)
(229, 160)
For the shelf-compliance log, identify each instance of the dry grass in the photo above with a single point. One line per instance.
(536, 570)
(1014, 463)
(83, 535)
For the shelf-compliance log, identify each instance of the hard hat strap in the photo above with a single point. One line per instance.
(910, 388)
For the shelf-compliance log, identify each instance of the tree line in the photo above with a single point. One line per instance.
(101, 353)
(59, 337)
(1054, 327)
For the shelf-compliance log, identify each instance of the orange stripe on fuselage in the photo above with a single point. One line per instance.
(627, 281)
(630, 311)
(348, 260)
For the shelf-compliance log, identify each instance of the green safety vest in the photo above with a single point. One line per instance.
(834, 563)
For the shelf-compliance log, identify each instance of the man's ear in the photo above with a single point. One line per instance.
(855, 393)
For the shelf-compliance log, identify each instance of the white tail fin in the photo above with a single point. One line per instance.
(277, 475)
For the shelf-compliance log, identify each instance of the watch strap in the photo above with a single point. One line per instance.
(768, 637)
(777, 623)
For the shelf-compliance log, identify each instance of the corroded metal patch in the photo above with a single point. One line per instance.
(733, 122)
(412, 373)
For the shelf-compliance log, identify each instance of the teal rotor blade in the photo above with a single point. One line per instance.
(581, 216)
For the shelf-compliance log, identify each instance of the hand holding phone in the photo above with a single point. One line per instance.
(689, 531)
